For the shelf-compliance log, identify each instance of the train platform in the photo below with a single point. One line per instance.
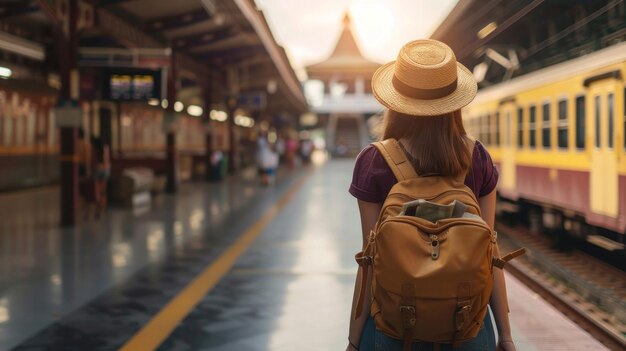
(217, 266)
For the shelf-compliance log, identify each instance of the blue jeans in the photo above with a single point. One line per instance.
(374, 340)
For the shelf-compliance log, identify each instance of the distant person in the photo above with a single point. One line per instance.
(84, 153)
(86, 182)
(341, 149)
(267, 160)
(306, 149)
(101, 157)
(423, 92)
(280, 147)
(291, 150)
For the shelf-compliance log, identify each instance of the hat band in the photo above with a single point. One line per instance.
(424, 94)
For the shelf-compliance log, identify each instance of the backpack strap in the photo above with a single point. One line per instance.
(501, 262)
(396, 159)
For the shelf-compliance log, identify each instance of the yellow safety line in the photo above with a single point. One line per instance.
(164, 323)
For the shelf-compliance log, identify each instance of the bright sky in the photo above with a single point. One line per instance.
(309, 29)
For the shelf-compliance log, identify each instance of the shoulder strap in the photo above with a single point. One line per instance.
(396, 159)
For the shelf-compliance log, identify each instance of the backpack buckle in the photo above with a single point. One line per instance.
(462, 316)
(408, 316)
(434, 243)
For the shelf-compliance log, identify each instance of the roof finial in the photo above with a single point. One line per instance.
(346, 19)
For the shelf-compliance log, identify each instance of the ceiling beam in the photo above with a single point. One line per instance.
(12, 9)
(188, 42)
(229, 55)
(127, 33)
(111, 2)
(134, 37)
(179, 20)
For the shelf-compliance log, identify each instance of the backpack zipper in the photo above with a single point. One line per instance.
(406, 197)
(409, 220)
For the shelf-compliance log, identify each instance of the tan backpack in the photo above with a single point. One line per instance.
(432, 257)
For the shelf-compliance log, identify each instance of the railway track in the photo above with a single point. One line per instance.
(590, 292)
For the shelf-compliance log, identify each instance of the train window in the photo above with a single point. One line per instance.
(563, 126)
(545, 126)
(520, 127)
(508, 129)
(497, 135)
(580, 122)
(597, 113)
(610, 111)
(532, 127)
(488, 129)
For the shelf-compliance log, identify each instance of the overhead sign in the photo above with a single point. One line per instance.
(253, 101)
(68, 114)
(131, 84)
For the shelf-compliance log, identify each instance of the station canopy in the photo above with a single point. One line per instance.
(225, 45)
(502, 39)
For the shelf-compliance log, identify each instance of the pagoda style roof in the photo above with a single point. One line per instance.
(346, 57)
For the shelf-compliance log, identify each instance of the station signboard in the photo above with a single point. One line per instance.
(250, 101)
(129, 84)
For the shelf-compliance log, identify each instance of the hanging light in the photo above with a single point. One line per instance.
(195, 110)
(178, 106)
(218, 115)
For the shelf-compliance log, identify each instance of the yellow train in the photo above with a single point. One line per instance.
(558, 137)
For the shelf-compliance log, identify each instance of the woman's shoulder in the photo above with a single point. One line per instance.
(371, 178)
(480, 154)
(484, 173)
(368, 154)
(370, 160)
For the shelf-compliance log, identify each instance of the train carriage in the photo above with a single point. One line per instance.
(558, 137)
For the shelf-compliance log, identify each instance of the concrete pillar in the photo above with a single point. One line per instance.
(171, 185)
(208, 136)
(233, 143)
(232, 81)
(67, 43)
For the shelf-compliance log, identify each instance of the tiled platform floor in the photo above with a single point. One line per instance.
(290, 291)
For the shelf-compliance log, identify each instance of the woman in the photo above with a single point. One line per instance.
(424, 91)
(101, 173)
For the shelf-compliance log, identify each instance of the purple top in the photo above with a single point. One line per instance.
(372, 178)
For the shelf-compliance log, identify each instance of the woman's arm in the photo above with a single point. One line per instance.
(499, 301)
(369, 212)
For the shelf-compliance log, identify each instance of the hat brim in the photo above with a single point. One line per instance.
(386, 94)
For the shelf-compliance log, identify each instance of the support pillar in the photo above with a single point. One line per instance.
(233, 152)
(171, 156)
(171, 185)
(232, 81)
(69, 176)
(208, 153)
(105, 126)
(67, 49)
(208, 136)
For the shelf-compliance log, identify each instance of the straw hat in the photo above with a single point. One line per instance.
(425, 80)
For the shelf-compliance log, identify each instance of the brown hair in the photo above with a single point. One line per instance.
(438, 144)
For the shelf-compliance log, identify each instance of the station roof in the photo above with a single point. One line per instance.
(226, 42)
(528, 35)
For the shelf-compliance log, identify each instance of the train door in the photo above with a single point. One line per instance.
(603, 178)
(508, 180)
